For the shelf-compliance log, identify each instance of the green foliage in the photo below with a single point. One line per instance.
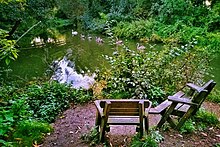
(172, 11)
(92, 137)
(51, 98)
(214, 96)
(30, 132)
(158, 32)
(206, 117)
(135, 29)
(188, 127)
(18, 107)
(8, 51)
(98, 13)
(150, 140)
(153, 74)
(12, 110)
(211, 41)
(200, 121)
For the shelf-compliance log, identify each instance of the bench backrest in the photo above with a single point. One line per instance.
(125, 107)
(200, 98)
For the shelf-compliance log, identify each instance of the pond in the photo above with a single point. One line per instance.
(34, 61)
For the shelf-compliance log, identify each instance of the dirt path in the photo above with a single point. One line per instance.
(76, 121)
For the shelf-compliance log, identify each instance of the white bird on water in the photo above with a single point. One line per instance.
(118, 42)
(82, 36)
(89, 37)
(99, 40)
(140, 47)
(74, 33)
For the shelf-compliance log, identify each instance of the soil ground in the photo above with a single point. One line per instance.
(79, 119)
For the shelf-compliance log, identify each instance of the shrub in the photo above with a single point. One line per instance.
(135, 29)
(153, 74)
(92, 137)
(188, 127)
(200, 121)
(51, 98)
(151, 140)
(30, 132)
(214, 96)
(8, 51)
(206, 118)
(19, 107)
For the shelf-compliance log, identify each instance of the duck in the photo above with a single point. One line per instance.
(74, 33)
(89, 37)
(99, 40)
(140, 47)
(118, 42)
(82, 37)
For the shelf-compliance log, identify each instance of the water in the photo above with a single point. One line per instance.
(87, 54)
(34, 61)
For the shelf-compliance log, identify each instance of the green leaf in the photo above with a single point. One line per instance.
(7, 61)
(15, 54)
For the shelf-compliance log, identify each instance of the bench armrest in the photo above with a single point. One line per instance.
(183, 100)
(194, 87)
(98, 107)
(147, 109)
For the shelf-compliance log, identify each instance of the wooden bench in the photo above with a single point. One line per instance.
(182, 105)
(122, 112)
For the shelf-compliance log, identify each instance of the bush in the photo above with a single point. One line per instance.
(214, 96)
(200, 121)
(188, 127)
(206, 118)
(22, 108)
(30, 132)
(153, 74)
(151, 140)
(8, 51)
(51, 98)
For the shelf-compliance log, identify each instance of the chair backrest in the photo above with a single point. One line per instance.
(201, 96)
(126, 107)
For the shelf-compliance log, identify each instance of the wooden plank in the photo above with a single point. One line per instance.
(158, 109)
(123, 121)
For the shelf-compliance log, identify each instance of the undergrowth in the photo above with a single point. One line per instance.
(25, 113)
(201, 121)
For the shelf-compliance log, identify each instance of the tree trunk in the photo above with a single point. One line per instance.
(14, 28)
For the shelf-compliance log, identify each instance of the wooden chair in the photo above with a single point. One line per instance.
(182, 105)
(121, 112)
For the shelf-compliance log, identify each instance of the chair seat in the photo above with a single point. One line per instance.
(164, 105)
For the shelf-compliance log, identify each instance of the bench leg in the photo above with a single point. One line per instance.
(166, 114)
(97, 121)
(184, 118)
(102, 131)
(146, 120)
(104, 121)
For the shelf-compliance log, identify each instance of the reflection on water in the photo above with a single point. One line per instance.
(65, 73)
(39, 42)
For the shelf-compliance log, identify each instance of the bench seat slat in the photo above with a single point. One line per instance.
(123, 121)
